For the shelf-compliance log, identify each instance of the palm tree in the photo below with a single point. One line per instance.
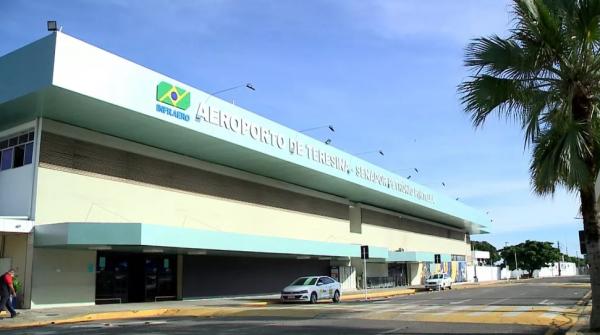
(546, 76)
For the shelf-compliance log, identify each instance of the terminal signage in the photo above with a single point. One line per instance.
(174, 96)
(257, 132)
(174, 101)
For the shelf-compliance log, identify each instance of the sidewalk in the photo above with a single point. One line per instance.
(213, 307)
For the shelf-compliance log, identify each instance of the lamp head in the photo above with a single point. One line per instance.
(52, 26)
(250, 86)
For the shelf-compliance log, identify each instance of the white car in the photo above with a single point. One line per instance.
(311, 289)
(438, 281)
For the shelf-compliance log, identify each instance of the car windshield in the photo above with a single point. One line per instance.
(305, 281)
(438, 276)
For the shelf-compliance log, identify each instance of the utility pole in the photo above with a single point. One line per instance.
(506, 261)
(516, 263)
(560, 253)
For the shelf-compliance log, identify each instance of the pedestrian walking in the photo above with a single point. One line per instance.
(7, 290)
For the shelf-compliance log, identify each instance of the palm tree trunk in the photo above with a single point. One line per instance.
(590, 225)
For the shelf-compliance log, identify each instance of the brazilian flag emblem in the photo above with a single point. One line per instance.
(173, 95)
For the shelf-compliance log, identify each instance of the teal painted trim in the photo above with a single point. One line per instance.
(136, 234)
(213, 240)
(27, 69)
(378, 252)
(105, 233)
(410, 256)
(73, 234)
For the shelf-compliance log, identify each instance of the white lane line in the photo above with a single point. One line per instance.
(517, 311)
(453, 309)
(485, 310)
(429, 308)
(545, 302)
(459, 302)
(498, 301)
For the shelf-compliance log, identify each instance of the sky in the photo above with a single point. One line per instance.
(383, 73)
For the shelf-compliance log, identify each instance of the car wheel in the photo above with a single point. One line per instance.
(450, 287)
(336, 297)
(313, 298)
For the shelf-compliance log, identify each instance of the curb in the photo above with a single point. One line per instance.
(388, 294)
(207, 312)
(581, 320)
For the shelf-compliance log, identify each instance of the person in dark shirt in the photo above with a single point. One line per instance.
(7, 290)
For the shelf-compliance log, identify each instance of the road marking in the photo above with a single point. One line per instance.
(429, 308)
(545, 302)
(459, 302)
(453, 309)
(517, 311)
(485, 310)
(552, 312)
(498, 301)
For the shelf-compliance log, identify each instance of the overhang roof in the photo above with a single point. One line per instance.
(67, 80)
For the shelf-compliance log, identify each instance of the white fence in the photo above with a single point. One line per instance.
(487, 273)
(484, 273)
(566, 269)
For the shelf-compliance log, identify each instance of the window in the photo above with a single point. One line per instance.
(28, 153)
(16, 151)
(305, 281)
(7, 156)
(458, 258)
(19, 155)
(327, 280)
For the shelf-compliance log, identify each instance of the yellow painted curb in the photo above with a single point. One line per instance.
(386, 294)
(210, 312)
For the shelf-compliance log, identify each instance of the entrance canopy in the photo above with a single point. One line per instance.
(67, 80)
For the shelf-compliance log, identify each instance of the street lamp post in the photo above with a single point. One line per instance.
(213, 94)
(380, 152)
(330, 127)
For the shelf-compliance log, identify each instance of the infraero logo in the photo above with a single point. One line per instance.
(172, 95)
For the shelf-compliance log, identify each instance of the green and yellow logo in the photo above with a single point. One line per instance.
(172, 95)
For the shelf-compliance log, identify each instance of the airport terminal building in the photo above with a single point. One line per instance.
(119, 184)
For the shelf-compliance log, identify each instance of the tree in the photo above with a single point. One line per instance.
(578, 261)
(531, 255)
(486, 246)
(545, 75)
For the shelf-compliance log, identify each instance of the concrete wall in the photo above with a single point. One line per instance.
(17, 184)
(100, 184)
(63, 278)
(16, 250)
(416, 273)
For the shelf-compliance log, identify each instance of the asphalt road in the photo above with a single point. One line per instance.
(532, 307)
